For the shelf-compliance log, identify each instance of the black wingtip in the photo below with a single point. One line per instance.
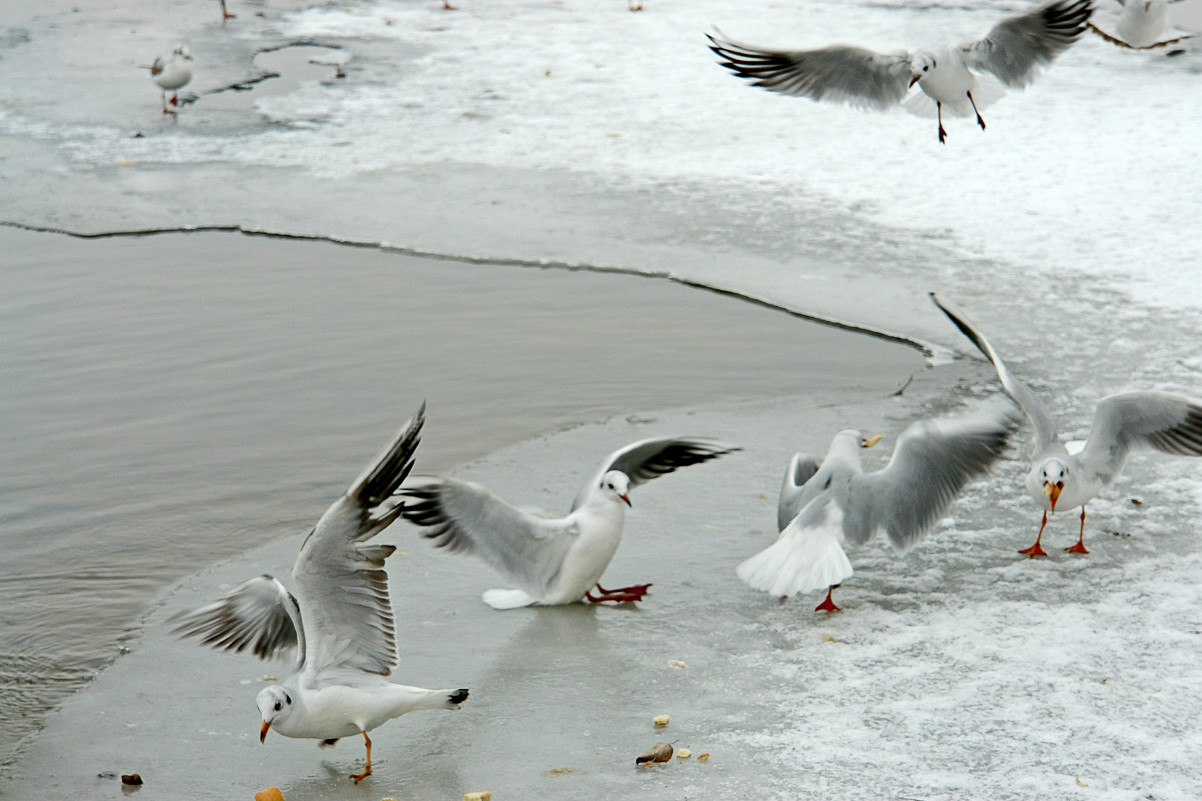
(458, 697)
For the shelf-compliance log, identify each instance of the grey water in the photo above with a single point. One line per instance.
(163, 395)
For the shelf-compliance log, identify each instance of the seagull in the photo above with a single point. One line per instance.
(1012, 52)
(1060, 479)
(824, 506)
(553, 560)
(172, 73)
(1145, 24)
(340, 621)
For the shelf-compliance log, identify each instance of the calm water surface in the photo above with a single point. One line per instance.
(164, 396)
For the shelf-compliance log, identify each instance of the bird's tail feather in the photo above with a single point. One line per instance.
(801, 560)
(507, 599)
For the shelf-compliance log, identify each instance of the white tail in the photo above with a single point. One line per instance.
(801, 560)
(507, 599)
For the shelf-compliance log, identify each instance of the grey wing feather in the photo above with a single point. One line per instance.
(841, 73)
(795, 491)
(651, 458)
(1163, 421)
(464, 517)
(1041, 421)
(1018, 46)
(342, 586)
(933, 460)
(258, 614)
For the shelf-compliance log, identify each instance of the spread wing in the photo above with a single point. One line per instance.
(342, 588)
(795, 492)
(464, 517)
(1163, 421)
(259, 614)
(651, 458)
(1018, 46)
(1041, 421)
(840, 73)
(933, 460)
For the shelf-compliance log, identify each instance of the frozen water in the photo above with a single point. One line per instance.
(576, 133)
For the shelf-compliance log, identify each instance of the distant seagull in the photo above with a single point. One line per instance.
(340, 620)
(1163, 421)
(1148, 24)
(553, 560)
(172, 73)
(1013, 52)
(824, 506)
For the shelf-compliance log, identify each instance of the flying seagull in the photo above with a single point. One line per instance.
(1163, 421)
(340, 621)
(825, 506)
(172, 73)
(960, 77)
(1148, 24)
(553, 560)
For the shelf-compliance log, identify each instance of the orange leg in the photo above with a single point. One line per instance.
(939, 114)
(358, 777)
(1035, 550)
(225, 14)
(828, 605)
(980, 121)
(1080, 546)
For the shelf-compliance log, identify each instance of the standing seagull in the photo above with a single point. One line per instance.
(1163, 421)
(340, 620)
(553, 560)
(1013, 51)
(838, 503)
(172, 73)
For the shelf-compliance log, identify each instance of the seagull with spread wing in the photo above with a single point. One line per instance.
(553, 560)
(954, 76)
(340, 621)
(826, 505)
(1164, 421)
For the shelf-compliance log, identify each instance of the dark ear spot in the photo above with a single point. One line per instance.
(827, 485)
(288, 698)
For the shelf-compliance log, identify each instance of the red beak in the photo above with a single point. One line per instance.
(627, 499)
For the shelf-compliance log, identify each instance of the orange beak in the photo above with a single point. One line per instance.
(1052, 492)
(263, 731)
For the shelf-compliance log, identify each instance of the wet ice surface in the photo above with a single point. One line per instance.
(582, 134)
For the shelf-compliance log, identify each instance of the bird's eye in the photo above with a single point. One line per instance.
(925, 68)
(278, 705)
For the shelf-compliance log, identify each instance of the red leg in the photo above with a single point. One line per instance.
(358, 777)
(225, 14)
(1080, 546)
(640, 589)
(1035, 550)
(828, 605)
(939, 114)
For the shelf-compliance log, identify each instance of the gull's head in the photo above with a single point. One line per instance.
(617, 484)
(851, 442)
(274, 704)
(1052, 475)
(182, 51)
(921, 63)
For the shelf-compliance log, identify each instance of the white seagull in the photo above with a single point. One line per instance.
(340, 621)
(172, 73)
(953, 76)
(553, 560)
(1148, 24)
(1163, 421)
(824, 507)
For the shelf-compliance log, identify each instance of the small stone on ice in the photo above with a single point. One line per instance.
(661, 720)
(676, 663)
(683, 753)
(270, 794)
(483, 795)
